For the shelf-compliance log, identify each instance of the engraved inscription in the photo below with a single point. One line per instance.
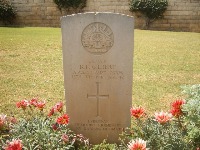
(98, 69)
(98, 125)
(97, 38)
(97, 96)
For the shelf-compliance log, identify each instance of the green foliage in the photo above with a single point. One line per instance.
(105, 146)
(37, 133)
(181, 132)
(192, 114)
(7, 13)
(152, 9)
(68, 4)
(192, 91)
(159, 137)
(192, 121)
(5, 125)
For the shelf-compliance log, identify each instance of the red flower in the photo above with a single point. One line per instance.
(176, 108)
(58, 107)
(33, 102)
(13, 120)
(176, 112)
(51, 112)
(2, 120)
(40, 105)
(63, 119)
(137, 144)
(23, 104)
(137, 112)
(178, 103)
(14, 145)
(163, 117)
(65, 138)
(55, 126)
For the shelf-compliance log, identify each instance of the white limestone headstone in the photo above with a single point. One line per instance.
(98, 64)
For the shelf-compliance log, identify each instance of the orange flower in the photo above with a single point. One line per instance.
(40, 105)
(137, 144)
(137, 112)
(14, 145)
(63, 119)
(163, 117)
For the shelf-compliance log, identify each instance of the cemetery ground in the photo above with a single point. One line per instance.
(31, 66)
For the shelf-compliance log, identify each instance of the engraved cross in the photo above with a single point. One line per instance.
(97, 96)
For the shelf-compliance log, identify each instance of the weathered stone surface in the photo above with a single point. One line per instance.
(39, 1)
(19, 1)
(98, 57)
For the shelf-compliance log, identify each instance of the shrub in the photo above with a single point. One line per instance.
(177, 129)
(192, 91)
(151, 9)
(105, 146)
(43, 131)
(7, 13)
(192, 114)
(70, 4)
(164, 132)
(158, 136)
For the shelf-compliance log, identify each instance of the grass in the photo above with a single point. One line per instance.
(31, 66)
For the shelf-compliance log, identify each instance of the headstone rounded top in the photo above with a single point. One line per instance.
(97, 38)
(97, 13)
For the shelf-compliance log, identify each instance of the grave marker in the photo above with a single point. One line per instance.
(98, 62)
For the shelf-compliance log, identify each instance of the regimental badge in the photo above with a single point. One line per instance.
(97, 38)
